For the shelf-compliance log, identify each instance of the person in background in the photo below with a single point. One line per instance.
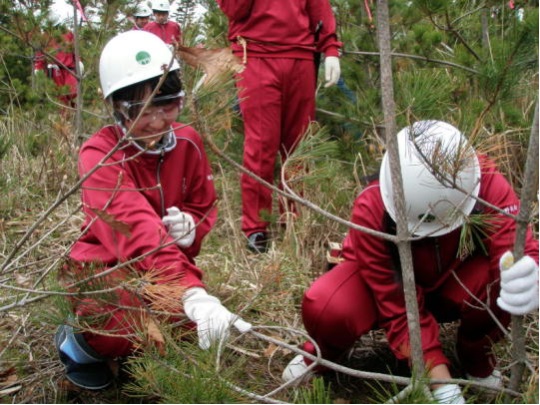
(463, 267)
(59, 63)
(278, 46)
(169, 31)
(149, 200)
(141, 16)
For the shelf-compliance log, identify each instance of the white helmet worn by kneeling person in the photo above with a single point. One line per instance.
(122, 64)
(441, 178)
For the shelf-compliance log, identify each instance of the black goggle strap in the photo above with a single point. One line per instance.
(156, 101)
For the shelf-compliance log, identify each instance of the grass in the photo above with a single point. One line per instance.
(39, 165)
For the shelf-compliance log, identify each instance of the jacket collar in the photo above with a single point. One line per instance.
(166, 144)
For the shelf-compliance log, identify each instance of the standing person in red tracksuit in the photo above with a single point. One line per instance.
(364, 292)
(168, 31)
(61, 69)
(149, 200)
(276, 89)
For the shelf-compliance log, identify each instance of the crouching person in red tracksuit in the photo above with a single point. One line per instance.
(365, 292)
(276, 89)
(148, 197)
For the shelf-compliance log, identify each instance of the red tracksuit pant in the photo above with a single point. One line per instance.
(338, 308)
(277, 100)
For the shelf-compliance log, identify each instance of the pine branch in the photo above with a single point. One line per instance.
(499, 86)
(450, 27)
(416, 57)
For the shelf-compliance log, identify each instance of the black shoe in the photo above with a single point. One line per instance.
(93, 373)
(258, 242)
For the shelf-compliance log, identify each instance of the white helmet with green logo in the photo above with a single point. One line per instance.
(133, 57)
(441, 177)
(161, 5)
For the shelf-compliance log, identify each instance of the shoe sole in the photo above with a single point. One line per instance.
(100, 368)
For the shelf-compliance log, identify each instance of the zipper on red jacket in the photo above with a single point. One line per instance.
(160, 188)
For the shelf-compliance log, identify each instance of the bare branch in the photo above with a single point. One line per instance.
(528, 193)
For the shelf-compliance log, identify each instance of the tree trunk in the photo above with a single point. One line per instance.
(528, 193)
(404, 247)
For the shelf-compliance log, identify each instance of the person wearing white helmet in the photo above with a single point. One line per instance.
(141, 16)
(169, 31)
(445, 183)
(279, 46)
(60, 62)
(149, 200)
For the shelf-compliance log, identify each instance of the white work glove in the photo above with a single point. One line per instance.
(448, 394)
(332, 71)
(519, 284)
(81, 68)
(213, 319)
(181, 227)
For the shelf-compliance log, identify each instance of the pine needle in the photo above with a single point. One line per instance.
(476, 228)
(162, 290)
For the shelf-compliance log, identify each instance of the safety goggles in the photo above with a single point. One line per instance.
(165, 105)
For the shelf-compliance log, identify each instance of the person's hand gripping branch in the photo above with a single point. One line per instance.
(519, 285)
(212, 318)
(181, 226)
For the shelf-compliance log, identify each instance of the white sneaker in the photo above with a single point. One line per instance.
(493, 380)
(297, 370)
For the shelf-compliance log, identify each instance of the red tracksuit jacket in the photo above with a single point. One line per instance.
(433, 258)
(286, 29)
(135, 188)
(169, 32)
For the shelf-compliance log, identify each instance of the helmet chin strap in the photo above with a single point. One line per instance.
(165, 144)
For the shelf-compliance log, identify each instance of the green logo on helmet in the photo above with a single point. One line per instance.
(143, 58)
(428, 218)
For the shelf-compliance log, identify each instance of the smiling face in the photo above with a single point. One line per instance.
(141, 21)
(148, 125)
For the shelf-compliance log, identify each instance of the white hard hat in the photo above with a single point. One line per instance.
(161, 5)
(60, 13)
(132, 57)
(441, 177)
(142, 11)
